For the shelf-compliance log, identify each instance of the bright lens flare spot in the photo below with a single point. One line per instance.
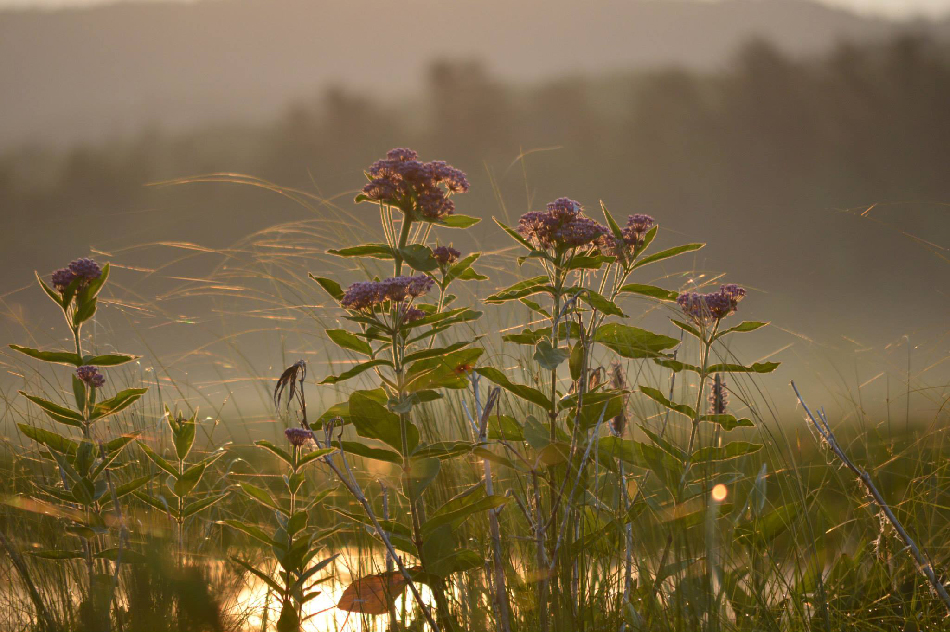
(719, 493)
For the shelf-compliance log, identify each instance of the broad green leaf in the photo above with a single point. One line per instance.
(373, 421)
(505, 427)
(437, 351)
(632, 342)
(55, 296)
(666, 254)
(687, 328)
(728, 422)
(588, 262)
(676, 365)
(280, 452)
(515, 235)
(346, 340)
(602, 304)
(110, 359)
(376, 251)
(520, 290)
(758, 367)
(419, 258)
(121, 401)
(52, 440)
(127, 488)
(57, 357)
(184, 437)
(369, 452)
(330, 286)
(548, 357)
(447, 371)
(748, 325)
(158, 460)
(354, 371)
(732, 450)
(650, 290)
(457, 221)
(577, 360)
(420, 474)
(297, 523)
(79, 392)
(524, 392)
(313, 455)
(461, 266)
(188, 480)
(661, 399)
(264, 577)
(56, 412)
(86, 311)
(260, 495)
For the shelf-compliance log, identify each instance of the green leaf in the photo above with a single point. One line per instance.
(128, 556)
(765, 529)
(515, 235)
(548, 357)
(127, 488)
(457, 221)
(728, 422)
(758, 367)
(447, 371)
(86, 311)
(369, 452)
(650, 290)
(666, 254)
(420, 474)
(297, 523)
(56, 412)
(519, 290)
(419, 258)
(676, 365)
(461, 266)
(188, 480)
(748, 325)
(505, 427)
(94, 286)
(55, 296)
(577, 360)
(611, 223)
(184, 437)
(588, 262)
(313, 455)
(373, 421)
(454, 514)
(661, 399)
(601, 303)
(354, 371)
(121, 401)
(260, 495)
(280, 452)
(524, 392)
(52, 440)
(732, 450)
(437, 351)
(632, 342)
(443, 449)
(264, 577)
(158, 460)
(330, 286)
(347, 340)
(376, 251)
(79, 392)
(57, 357)
(110, 359)
(687, 328)
(53, 554)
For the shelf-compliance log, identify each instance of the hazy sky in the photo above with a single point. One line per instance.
(891, 8)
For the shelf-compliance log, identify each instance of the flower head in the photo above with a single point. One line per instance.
(368, 294)
(632, 236)
(297, 436)
(90, 376)
(85, 269)
(62, 278)
(706, 308)
(446, 255)
(416, 187)
(409, 314)
(562, 225)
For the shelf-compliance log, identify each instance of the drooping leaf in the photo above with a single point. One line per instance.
(601, 303)
(661, 399)
(330, 286)
(369, 452)
(354, 371)
(52, 440)
(373, 421)
(260, 495)
(252, 530)
(758, 367)
(157, 459)
(280, 452)
(56, 412)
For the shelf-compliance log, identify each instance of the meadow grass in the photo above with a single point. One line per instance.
(790, 541)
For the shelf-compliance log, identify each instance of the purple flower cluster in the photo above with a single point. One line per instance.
(632, 235)
(297, 436)
(563, 225)
(706, 308)
(84, 268)
(90, 376)
(409, 314)
(402, 180)
(368, 294)
(446, 255)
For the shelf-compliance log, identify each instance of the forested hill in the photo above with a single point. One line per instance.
(82, 74)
